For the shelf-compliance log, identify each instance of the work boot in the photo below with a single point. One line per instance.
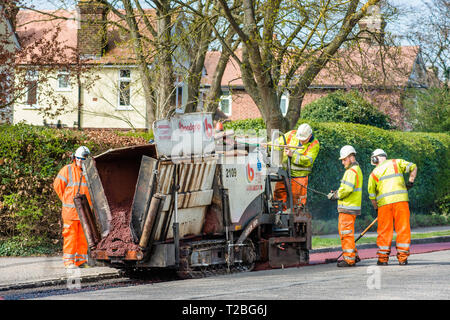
(343, 264)
(381, 263)
(403, 263)
(84, 265)
(357, 259)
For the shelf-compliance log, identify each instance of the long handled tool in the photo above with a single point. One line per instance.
(310, 189)
(360, 236)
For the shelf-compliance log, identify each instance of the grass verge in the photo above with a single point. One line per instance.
(318, 242)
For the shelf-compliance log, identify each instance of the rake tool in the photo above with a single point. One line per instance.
(360, 236)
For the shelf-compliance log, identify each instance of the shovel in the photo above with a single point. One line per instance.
(360, 236)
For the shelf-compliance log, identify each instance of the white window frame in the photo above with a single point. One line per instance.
(32, 75)
(63, 73)
(179, 84)
(124, 79)
(223, 97)
(285, 97)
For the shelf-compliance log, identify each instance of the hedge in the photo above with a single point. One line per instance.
(430, 151)
(30, 158)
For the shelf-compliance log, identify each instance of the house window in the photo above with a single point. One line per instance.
(124, 89)
(32, 77)
(63, 80)
(225, 104)
(284, 104)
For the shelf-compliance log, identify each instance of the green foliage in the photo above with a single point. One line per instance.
(429, 110)
(342, 106)
(30, 158)
(19, 246)
(245, 125)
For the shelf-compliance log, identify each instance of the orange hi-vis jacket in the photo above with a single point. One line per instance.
(66, 185)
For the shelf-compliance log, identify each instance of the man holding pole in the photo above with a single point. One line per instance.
(301, 151)
(349, 196)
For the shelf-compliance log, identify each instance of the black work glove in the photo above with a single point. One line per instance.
(409, 185)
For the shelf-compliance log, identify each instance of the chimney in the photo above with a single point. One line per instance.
(372, 25)
(91, 37)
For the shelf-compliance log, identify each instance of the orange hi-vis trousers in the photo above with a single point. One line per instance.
(298, 192)
(346, 228)
(75, 247)
(390, 216)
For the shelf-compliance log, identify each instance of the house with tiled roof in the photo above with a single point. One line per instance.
(381, 73)
(9, 43)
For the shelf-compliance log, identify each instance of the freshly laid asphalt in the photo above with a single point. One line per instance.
(33, 272)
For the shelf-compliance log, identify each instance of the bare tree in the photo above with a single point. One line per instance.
(432, 32)
(285, 45)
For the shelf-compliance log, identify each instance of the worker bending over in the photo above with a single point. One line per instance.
(301, 162)
(389, 194)
(349, 197)
(66, 185)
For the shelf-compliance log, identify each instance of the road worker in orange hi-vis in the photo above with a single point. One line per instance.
(301, 161)
(67, 185)
(349, 196)
(389, 195)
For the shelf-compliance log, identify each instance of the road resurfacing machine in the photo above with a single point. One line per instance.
(185, 204)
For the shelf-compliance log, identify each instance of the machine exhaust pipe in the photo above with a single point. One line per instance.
(87, 221)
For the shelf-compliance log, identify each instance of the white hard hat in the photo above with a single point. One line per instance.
(375, 154)
(304, 131)
(346, 151)
(378, 152)
(82, 152)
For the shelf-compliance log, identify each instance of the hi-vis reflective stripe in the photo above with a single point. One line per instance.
(76, 184)
(68, 205)
(391, 176)
(66, 225)
(351, 185)
(349, 250)
(349, 258)
(295, 167)
(408, 167)
(346, 232)
(385, 248)
(374, 177)
(357, 190)
(391, 193)
(348, 207)
(62, 178)
(404, 251)
(403, 245)
(298, 158)
(357, 179)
